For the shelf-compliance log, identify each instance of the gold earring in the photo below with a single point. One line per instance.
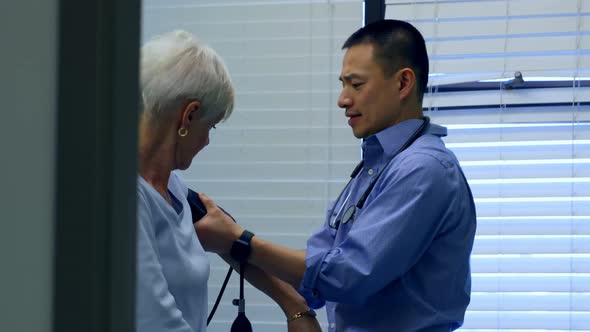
(182, 132)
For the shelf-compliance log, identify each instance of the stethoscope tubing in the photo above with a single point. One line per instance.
(350, 212)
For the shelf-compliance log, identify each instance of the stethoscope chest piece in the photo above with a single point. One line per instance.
(348, 214)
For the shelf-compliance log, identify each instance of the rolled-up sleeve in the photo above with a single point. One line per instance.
(317, 247)
(393, 230)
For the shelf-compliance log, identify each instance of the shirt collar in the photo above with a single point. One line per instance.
(391, 139)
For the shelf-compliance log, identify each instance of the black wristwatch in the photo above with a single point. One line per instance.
(240, 249)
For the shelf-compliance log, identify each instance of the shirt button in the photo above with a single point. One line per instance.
(333, 325)
(370, 171)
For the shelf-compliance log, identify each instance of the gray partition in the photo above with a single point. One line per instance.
(96, 165)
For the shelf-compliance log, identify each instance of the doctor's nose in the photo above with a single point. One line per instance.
(344, 101)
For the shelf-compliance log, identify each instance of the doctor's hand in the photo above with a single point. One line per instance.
(217, 231)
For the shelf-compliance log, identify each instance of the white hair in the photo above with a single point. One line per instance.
(175, 68)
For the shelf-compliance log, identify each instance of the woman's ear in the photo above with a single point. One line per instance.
(407, 80)
(189, 113)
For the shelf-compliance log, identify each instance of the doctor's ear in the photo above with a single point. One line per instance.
(406, 79)
(190, 113)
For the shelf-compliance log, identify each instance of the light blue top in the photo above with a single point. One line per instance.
(402, 263)
(172, 267)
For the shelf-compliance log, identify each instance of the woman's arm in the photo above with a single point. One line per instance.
(288, 299)
(217, 232)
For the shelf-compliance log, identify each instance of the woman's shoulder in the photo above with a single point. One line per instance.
(142, 189)
(176, 183)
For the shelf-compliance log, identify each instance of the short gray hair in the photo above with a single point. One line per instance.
(176, 67)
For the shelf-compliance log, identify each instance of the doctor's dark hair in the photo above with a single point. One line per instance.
(397, 44)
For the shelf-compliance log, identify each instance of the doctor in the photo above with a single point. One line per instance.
(393, 254)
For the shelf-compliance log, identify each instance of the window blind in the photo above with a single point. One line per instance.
(469, 40)
(529, 168)
(286, 151)
(525, 152)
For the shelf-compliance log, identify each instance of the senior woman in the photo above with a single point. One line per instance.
(186, 90)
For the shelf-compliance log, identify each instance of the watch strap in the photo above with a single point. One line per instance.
(240, 249)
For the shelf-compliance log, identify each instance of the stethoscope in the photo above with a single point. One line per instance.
(351, 210)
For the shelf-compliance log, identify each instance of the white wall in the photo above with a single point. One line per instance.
(28, 31)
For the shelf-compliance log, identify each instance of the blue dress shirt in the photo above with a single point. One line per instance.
(402, 262)
(172, 267)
